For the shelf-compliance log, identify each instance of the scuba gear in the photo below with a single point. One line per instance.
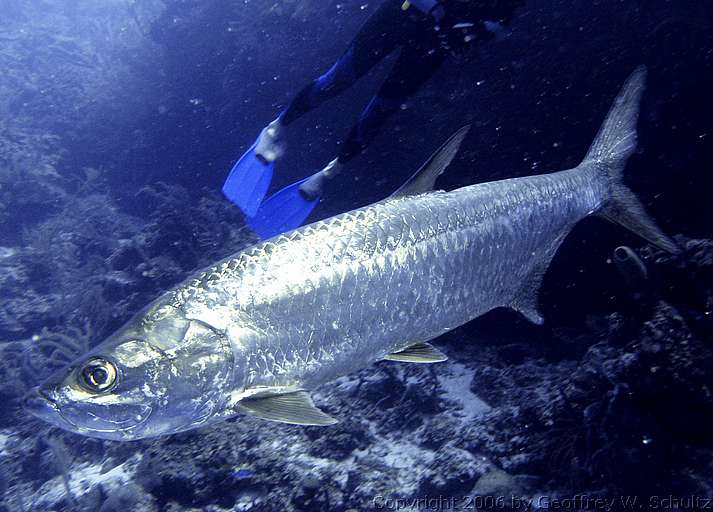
(425, 33)
(289, 208)
(248, 181)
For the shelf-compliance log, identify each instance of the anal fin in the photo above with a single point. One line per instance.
(526, 299)
(296, 408)
(418, 353)
(527, 303)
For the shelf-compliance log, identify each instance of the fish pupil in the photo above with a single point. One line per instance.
(98, 375)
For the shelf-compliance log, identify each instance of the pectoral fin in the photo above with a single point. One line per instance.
(296, 408)
(418, 353)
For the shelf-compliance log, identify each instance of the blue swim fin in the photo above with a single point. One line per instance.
(248, 181)
(283, 211)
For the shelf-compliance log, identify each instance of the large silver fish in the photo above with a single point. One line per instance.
(258, 330)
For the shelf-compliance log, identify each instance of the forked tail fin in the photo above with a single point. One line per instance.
(611, 148)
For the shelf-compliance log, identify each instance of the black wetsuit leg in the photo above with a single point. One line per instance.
(382, 32)
(414, 66)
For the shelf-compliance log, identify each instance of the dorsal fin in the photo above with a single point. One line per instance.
(424, 179)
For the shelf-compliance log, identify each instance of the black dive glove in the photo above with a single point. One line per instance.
(454, 36)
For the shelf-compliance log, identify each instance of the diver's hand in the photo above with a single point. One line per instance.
(455, 37)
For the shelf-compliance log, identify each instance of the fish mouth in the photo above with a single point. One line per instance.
(40, 405)
(99, 426)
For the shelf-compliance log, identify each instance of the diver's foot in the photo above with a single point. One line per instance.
(269, 146)
(313, 187)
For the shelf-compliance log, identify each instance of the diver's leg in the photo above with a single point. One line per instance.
(412, 69)
(386, 29)
(378, 37)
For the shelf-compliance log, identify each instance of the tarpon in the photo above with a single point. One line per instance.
(258, 331)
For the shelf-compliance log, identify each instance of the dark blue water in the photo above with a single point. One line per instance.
(120, 121)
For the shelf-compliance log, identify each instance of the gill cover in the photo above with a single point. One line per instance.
(160, 374)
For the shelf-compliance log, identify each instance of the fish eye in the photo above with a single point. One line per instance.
(98, 375)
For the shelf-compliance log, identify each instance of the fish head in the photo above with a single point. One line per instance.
(160, 374)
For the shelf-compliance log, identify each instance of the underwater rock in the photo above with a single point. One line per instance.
(339, 441)
(496, 482)
(12, 382)
(28, 297)
(452, 470)
(686, 281)
(311, 495)
(436, 433)
(127, 256)
(375, 385)
(189, 472)
(127, 498)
